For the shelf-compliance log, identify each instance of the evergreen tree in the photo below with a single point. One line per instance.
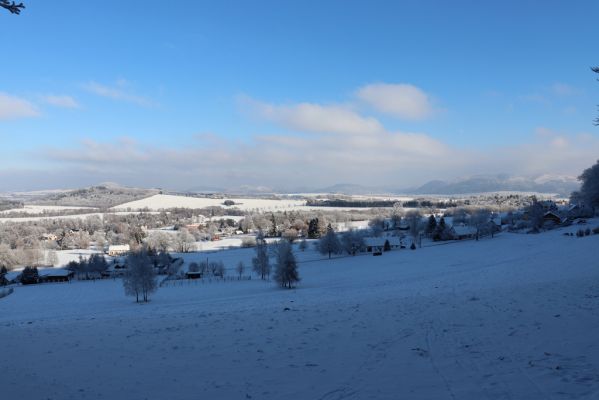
(441, 231)
(313, 232)
(431, 225)
(274, 232)
(387, 245)
(286, 268)
(29, 275)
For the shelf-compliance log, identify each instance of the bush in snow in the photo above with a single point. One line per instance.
(194, 267)
(587, 231)
(303, 245)
(596, 230)
(248, 242)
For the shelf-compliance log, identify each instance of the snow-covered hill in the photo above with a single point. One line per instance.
(514, 317)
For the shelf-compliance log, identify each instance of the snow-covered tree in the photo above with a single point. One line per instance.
(479, 219)
(160, 241)
(377, 226)
(286, 267)
(352, 242)
(329, 243)
(8, 258)
(535, 214)
(589, 189)
(414, 220)
(140, 278)
(184, 241)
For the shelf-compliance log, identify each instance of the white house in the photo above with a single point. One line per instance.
(118, 250)
(377, 244)
(463, 231)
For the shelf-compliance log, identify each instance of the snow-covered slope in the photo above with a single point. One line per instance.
(514, 317)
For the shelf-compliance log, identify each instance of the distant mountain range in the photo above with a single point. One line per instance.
(554, 184)
(561, 185)
(109, 194)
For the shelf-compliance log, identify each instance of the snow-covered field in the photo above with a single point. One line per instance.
(35, 209)
(164, 201)
(514, 317)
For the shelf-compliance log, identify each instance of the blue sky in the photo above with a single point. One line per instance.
(295, 94)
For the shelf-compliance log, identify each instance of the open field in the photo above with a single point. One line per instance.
(515, 317)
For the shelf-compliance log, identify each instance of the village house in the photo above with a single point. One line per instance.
(461, 232)
(377, 244)
(552, 218)
(118, 250)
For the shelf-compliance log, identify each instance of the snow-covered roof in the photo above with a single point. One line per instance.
(53, 272)
(461, 230)
(380, 241)
(118, 247)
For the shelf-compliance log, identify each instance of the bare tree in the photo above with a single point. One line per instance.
(52, 258)
(160, 241)
(479, 219)
(240, 268)
(286, 268)
(261, 263)
(11, 6)
(414, 219)
(184, 241)
(140, 278)
(352, 242)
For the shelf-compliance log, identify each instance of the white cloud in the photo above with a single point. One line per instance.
(311, 117)
(117, 92)
(401, 100)
(12, 107)
(60, 101)
(563, 89)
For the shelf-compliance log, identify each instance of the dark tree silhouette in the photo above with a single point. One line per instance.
(596, 70)
(11, 6)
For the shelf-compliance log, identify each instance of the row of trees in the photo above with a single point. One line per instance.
(286, 274)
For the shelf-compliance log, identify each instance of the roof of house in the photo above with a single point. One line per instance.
(119, 247)
(380, 241)
(462, 230)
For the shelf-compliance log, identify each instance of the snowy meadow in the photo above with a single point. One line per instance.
(513, 317)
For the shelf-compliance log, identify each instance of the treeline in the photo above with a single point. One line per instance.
(420, 203)
(10, 204)
(97, 196)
